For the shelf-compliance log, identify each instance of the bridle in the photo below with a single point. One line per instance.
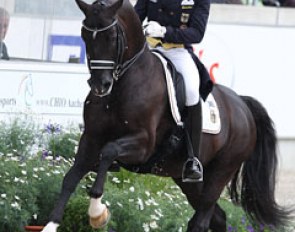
(118, 66)
(95, 31)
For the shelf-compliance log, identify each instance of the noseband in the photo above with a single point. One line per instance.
(118, 66)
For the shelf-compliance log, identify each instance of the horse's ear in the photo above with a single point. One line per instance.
(84, 7)
(113, 8)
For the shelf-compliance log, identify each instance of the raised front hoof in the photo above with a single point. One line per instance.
(100, 221)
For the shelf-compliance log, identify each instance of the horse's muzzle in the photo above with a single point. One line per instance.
(102, 88)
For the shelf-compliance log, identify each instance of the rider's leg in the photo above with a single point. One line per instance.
(193, 170)
(184, 64)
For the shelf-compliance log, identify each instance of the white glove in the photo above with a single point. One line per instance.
(154, 29)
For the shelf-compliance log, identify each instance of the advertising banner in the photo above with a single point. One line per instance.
(44, 92)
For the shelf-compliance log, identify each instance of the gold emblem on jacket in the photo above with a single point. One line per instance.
(184, 18)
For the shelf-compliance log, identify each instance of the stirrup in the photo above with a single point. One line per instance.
(200, 167)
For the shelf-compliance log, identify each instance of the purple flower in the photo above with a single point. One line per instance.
(44, 154)
(52, 128)
(230, 228)
(250, 229)
(243, 220)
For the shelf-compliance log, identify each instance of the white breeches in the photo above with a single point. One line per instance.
(184, 64)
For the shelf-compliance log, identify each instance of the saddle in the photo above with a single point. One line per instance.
(175, 88)
(206, 84)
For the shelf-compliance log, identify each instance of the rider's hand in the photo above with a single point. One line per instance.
(154, 29)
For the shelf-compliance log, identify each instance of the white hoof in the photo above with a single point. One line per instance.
(50, 227)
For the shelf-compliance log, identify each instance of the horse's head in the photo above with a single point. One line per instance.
(104, 42)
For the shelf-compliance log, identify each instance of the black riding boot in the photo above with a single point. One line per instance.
(192, 169)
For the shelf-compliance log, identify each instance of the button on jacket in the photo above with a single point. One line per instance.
(185, 20)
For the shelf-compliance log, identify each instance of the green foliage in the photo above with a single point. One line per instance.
(49, 176)
(22, 137)
(17, 137)
(237, 220)
(61, 141)
(31, 171)
(145, 203)
(136, 202)
(76, 218)
(63, 144)
(17, 195)
(28, 190)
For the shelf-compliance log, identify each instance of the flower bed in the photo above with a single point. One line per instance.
(33, 162)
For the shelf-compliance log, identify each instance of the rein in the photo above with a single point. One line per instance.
(119, 67)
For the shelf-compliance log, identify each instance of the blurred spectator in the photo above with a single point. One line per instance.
(271, 3)
(4, 22)
(283, 3)
(289, 3)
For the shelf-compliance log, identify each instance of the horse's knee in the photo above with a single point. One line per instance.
(110, 151)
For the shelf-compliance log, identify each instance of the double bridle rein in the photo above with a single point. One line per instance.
(118, 66)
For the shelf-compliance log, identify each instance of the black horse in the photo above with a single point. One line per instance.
(128, 119)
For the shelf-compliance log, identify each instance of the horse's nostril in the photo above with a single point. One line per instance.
(106, 84)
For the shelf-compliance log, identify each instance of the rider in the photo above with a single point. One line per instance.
(172, 26)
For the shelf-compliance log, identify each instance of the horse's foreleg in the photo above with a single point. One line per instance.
(70, 182)
(108, 154)
(127, 147)
(132, 149)
(80, 168)
(98, 212)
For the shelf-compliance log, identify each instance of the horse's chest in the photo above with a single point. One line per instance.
(106, 118)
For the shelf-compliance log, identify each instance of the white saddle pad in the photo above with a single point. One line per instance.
(211, 117)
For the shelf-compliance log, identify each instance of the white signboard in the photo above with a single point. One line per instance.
(44, 92)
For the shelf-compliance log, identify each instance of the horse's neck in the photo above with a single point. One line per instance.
(133, 30)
